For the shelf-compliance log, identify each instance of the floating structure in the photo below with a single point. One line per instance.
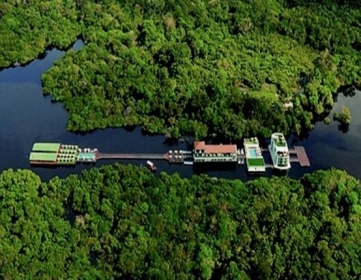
(46, 153)
(279, 152)
(53, 154)
(301, 156)
(87, 155)
(203, 152)
(176, 156)
(253, 154)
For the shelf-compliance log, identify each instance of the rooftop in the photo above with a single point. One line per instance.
(279, 139)
(46, 147)
(214, 149)
(34, 156)
(251, 142)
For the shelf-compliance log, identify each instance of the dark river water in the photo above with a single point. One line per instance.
(26, 116)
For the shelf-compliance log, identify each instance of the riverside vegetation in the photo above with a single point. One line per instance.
(202, 68)
(122, 222)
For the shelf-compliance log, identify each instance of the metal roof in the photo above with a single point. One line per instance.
(34, 156)
(215, 149)
(46, 147)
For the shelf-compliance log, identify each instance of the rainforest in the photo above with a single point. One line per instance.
(202, 68)
(210, 68)
(122, 222)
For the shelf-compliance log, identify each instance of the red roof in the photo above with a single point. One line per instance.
(215, 149)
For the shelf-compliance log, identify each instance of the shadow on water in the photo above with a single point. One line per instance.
(204, 167)
(344, 128)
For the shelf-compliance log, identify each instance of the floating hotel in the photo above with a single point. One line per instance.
(250, 154)
(253, 155)
(279, 152)
(214, 153)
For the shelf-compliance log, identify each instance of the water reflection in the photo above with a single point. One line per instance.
(335, 146)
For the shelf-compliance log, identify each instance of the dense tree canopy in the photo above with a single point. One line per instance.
(122, 222)
(200, 67)
(28, 27)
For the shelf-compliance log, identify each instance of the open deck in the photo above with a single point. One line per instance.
(301, 156)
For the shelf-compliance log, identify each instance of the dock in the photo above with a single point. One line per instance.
(298, 155)
(173, 156)
(301, 156)
(130, 156)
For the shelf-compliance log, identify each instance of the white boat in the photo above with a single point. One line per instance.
(278, 149)
(151, 165)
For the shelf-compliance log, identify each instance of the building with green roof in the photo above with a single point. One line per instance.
(43, 157)
(46, 147)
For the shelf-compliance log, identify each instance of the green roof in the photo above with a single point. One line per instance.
(255, 162)
(46, 147)
(34, 156)
(280, 143)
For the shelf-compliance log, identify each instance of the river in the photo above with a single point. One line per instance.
(27, 116)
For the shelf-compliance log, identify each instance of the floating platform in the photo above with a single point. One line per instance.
(301, 156)
(253, 155)
(130, 156)
(53, 154)
(298, 155)
(48, 153)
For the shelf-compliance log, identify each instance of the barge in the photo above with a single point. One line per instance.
(53, 154)
(45, 153)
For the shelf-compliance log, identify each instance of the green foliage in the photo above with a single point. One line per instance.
(36, 240)
(202, 68)
(206, 68)
(122, 222)
(343, 117)
(28, 27)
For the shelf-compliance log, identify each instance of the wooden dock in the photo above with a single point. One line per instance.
(130, 156)
(301, 156)
(172, 156)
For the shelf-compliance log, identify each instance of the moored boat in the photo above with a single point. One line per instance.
(279, 152)
(151, 166)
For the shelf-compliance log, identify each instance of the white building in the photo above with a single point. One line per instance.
(214, 153)
(279, 152)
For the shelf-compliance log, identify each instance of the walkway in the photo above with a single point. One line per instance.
(130, 156)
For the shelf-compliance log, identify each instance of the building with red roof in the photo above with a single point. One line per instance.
(203, 152)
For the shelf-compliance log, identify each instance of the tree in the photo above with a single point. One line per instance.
(343, 117)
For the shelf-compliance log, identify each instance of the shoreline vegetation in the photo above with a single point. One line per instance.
(210, 68)
(122, 222)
